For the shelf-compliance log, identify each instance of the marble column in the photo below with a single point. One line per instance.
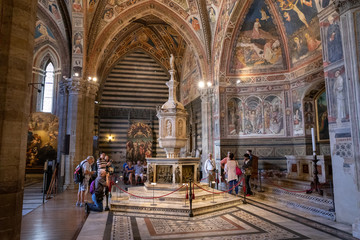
(61, 108)
(206, 124)
(80, 125)
(340, 37)
(17, 24)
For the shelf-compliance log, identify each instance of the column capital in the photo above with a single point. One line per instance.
(63, 86)
(92, 88)
(77, 85)
(206, 94)
(342, 6)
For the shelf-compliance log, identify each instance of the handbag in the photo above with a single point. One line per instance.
(238, 171)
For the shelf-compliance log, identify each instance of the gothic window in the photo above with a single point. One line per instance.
(48, 88)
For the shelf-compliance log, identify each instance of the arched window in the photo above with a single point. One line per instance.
(48, 88)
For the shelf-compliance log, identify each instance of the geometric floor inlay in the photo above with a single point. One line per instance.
(232, 223)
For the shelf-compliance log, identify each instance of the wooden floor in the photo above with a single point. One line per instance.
(59, 218)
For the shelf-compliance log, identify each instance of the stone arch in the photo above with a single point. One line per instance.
(97, 46)
(42, 58)
(61, 43)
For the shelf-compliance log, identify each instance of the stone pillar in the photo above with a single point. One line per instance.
(61, 109)
(80, 120)
(17, 24)
(340, 37)
(206, 124)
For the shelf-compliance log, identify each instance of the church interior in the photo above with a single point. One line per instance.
(85, 77)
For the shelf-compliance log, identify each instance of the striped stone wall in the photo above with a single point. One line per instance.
(132, 90)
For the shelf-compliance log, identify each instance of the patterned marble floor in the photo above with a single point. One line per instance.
(242, 222)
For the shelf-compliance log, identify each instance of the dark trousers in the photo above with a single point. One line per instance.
(247, 181)
(97, 206)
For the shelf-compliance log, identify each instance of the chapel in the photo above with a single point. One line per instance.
(85, 77)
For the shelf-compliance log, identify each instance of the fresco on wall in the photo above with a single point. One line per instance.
(42, 139)
(337, 90)
(333, 38)
(78, 43)
(255, 116)
(92, 5)
(258, 44)
(224, 14)
(139, 142)
(322, 122)
(54, 9)
(190, 76)
(298, 126)
(42, 32)
(302, 27)
(77, 5)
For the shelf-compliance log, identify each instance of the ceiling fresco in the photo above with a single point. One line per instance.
(172, 25)
(258, 45)
(246, 37)
(150, 34)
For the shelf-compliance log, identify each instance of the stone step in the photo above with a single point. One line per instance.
(311, 203)
(174, 203)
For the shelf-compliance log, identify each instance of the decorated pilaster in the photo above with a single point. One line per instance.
(206, 120)
(340, 37)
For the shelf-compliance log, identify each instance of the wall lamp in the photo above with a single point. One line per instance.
(33, 85)
(110, 138)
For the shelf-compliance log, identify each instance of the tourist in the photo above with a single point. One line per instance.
(222, 163)
(210, 169)
(139, 171)
(129, 169)
(247, 169)
(101, 182)
(101, 162)
(230, 169)
(83, 187)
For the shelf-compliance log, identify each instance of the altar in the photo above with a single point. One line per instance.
(302, 167)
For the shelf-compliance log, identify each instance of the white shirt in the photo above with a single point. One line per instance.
(209, 165)
(86, 166)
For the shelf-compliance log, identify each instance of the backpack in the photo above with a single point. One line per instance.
(92, 187)
(78, 173)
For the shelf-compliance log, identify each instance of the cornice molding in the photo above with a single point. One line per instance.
(342, 6)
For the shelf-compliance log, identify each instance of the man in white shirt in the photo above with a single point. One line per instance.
(209, 169)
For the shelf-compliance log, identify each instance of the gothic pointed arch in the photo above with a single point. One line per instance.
(98, 45)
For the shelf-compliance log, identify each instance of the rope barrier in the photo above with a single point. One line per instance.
(148, 197)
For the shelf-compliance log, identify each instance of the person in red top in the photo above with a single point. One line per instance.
(223, 162)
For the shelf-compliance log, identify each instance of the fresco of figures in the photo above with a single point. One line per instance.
(338, 103)
(255, 115)
(139, 142)
(298, 124)
(42, 139)
(258, 44)
(302, 27)
(331, 26)
(322, 117)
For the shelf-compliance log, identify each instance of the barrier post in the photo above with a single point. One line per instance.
(190, 200)
(216, 179)
(107, 199)
(213, 201)
(259, 172)
(244, 189)
(184, 184)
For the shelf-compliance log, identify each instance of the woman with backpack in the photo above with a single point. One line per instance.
(84, 185)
